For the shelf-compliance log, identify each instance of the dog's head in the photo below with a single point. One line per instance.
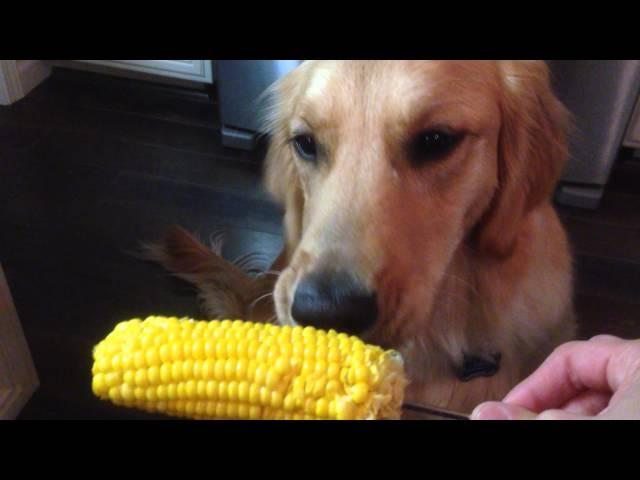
(386, 169)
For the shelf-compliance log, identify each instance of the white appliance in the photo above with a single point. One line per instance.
(601, 95)
(240, 84)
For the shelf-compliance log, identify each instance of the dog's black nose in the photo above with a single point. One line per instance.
(334, 300)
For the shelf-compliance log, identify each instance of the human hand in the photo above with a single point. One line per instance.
(595, 379)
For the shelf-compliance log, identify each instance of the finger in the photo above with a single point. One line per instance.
(587, 403)
(501, 411)
(605, 339)
(600, 365)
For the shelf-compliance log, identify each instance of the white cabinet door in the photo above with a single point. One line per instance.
(197, 70)
(632, 138)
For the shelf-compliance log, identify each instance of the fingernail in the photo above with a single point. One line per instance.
(559, 415)
(490, 411)
(500, 411)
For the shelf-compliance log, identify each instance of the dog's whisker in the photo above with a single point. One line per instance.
(473, 288)
(248, 255)
(216, 241)
(275, 273)
(257, 300)
(250, 260)
(241, 258)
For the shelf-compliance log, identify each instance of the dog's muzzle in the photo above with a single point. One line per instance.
(334, 300)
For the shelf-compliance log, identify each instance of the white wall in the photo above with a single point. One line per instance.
(19, 77)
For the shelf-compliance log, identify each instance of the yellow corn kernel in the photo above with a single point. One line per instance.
(360, 392)
(232, 391)
(126, 361)
(241, 368)
(129, 377)
(172, 391)
(276, 400)
(235, 369)
(165, 353)
(181, 392)
(265, 396)
(139, 393)
(209, 348)
(161, 392)
(99, 385)
(333, 370)
(211, 391)
(232, 410)
(113, 379)
(116, 362)
(243, 410)
(198, 350)
(152, 356)
(197, 369)
(138, 359)
(254, 394)
(331, 410)
(201, 389)
(153, 375)
(260, 375)
(322, 408)
(208, 372)
(243, 392)
(141, 378)
(219, 370)
(222, 391)
(187, 369)
(254, 412)
(289, 403)
(151, 395)
(272, 379)
(176, 351)
(176, 371)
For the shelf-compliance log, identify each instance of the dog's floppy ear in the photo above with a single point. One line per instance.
(531, 153)
(280, 174)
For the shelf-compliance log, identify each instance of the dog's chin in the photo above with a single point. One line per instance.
(372, 335)
(375, 336)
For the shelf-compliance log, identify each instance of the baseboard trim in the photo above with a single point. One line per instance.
(14, 399)
(18, 376)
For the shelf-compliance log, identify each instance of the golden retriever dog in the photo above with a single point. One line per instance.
(418, 216)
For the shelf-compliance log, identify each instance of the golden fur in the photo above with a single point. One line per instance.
(466, 254)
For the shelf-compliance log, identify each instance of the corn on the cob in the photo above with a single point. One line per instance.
(235, 369)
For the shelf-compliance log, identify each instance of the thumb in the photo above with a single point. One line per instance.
(560, 415)
(506, 411)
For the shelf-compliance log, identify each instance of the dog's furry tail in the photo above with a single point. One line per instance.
(225, 290)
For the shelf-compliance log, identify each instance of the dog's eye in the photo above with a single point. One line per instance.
(433, 145)
(305, 146)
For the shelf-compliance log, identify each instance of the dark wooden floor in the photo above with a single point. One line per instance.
(91, 166)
